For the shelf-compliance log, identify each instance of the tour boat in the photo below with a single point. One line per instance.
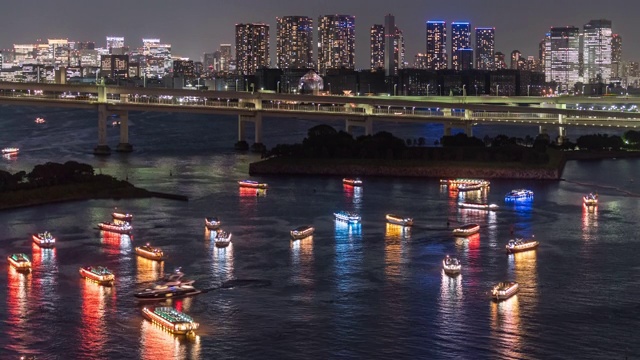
(347, 217)
(456, 183)
(519, 245)
(302, 232)
(252, 184)
(399, 220)
(171, 320)
(451, 265)
(466, 230)
(122, 217)
(44, 239)
(40, 120)
(352, 182)
(590, 200)
(171, 286)
(20, 262)
(10, 151)
(212, 223)
(222, 239)
(466, 205)
(519, 194)
(98, 274)
(470, 187)
(504, 290)
(150, 252)
(115, 228)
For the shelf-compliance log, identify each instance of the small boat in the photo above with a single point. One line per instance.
(519, 245)
(466, 230)
(399, 220)
(466, 183)
(222, 239)
(150, 252)
(451, 265)
(98, 274)
(347, 217)
(44, 239)
(466, 205)
(212, 223)
(40, 120)
(252, 184)
(10, 151)
(504, 290)
(470, 187)
(590, 200)
(124, 228)
(171, 286)
(171, 320)
(20, 262)
(302, 232)
(122, 217)
(519, 194)
(352, 182)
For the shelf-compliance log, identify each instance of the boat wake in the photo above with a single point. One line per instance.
(629, 193)
(241, 283)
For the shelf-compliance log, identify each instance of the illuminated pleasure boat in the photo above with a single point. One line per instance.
(44, 239)
(466, 230)
(590, 200)
(252, 184)
(171, 320)
(302, 232)
(124, 228)
(466, 205)
(99, 274)
(172, 286)
(150, 252)
(520, 245)
(20, 262)
(222, 239)
(472, 186)
(504, 290)
(122, 217)
(399, 220)
(456, 183)
(451, 265)
(10, 151)
(519, 194)
(40, 120)
(347, 217)
(352, 182)
(212, 223)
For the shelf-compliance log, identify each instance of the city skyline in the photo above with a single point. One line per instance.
(203, 33)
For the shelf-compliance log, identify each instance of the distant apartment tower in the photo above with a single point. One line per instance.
(516, 55)
(420, 61)
(376, 39)
(616, 55)
(436, 45)
(464, 59)
(460, 39)
(597, 51)
(115, 44)
(252, 47)
(499, 61)
(485, 48)
(294, 42)
(562, 64)
(336, 42)
(183, 68)
(542, 51)
(157, 58)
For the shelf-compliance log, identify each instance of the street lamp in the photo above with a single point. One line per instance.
(583, 90)
(439, 90)
(497, 90)
(278, 88)
(476, 86)
(329, 84)
(529, 87)
(428, 89)
(405, 89)
(395, 89)
(236, 89)
(464, 89)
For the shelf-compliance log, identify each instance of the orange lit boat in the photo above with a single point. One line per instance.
(122, 217)
(150, 252)
(302, 232)
(212, 223)
(590, 200)
(504, 290)
(20, 262)
(124, 228)
(171, 320)
(466, 230)
(44, 239)
(98, 274)
(399, 220)
(520, 245)
(252, 184)
(352, 182)
(466, 205)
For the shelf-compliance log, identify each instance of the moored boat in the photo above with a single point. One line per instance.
(451, 265)
(590, 200)
(171, 286)
(222, 239)
(212, 223)
(20, 262)
(44, 239)
(302, 232)
(122, 217)
(504, 290)
(519, 245)
(352, 182)
(124, 228)
(99, 274)
(466, 205)
(171, 320)
(519, 194)
(252, 184)
(150, 252)
(399, 220)
(466, 230)
(347, 217)
(10, 151)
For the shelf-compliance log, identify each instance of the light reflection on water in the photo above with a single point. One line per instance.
(506, 329)
(19, 286)
(96, 301)
(156, 343)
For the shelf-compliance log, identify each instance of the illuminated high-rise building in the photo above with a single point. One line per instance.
(420, 61)
(516, 57)
(464, 59)
(392, 46)
(436, 45)
(114, 42)
(157, 58)
(485, 48)
(597, 51)
(336, 42)
(562, 64)
(542, 50)
(252, 47)
(294, 42)
(499, 61)
(616, 55)
(460, 39)
(376, 37)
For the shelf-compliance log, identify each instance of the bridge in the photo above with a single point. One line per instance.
(356, 111)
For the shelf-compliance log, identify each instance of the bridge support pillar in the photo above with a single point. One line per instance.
(447, 129)
(258, 128)
(124, 145)
(257, 122)
(562, 134)
(366, 123)
(102, 148)
(543, 130)
(468, 130)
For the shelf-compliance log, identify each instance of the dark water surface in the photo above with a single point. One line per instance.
(355, 292)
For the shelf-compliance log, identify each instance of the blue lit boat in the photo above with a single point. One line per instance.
(519, 194)
(347, 217)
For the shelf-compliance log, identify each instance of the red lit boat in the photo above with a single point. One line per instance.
(252, 184)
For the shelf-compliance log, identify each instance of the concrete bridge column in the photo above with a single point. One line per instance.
(124, 145)
(241, 133)
(562, 134)
(469, 129)
(258, 128)
(102, 93)
(447, 129)
(543, 130)
(366, 123)
(102, 148)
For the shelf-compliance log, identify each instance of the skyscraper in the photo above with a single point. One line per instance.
(252, 47)
(464, 59)
(460, 39)
(597, 51)
(562, 64)
(158, 58)
(500, 62)
(114, 42)
(616, 55)
(336, 42)
(294, 42)
(485, 48)
(542, 50)
(516, 55)
(436, 45)
(376, 37)
(390, 45)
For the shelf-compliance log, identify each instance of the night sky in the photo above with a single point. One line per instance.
(197, 26)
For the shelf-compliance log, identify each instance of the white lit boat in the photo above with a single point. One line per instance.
(347, 217)
(98, 274)
(124, 228)
(466, 230)
(40, 120)
(471, 187)
(44, 239)
(466, 205)
(590, 200)
(352, 182)
(20, 262)
(451, 265)
(519, 194)
(122, 217)
(222, 239)
(212, 223)
(504, 290)
(171, 320)
(10, 151)
(252, 184)
(302, 232)
(150, 252)
(399, 220)
(519, 245)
